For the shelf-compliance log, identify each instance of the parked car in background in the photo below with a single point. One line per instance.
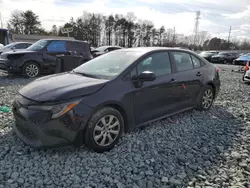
(41, 56)
(208, 54)
(104, 49)
(15, 46)
(242, 60)
(224, 57)
(111, 94)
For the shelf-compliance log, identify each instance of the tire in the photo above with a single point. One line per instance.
(225, 61)
(201, 105)
(95, 129)
(34, 70)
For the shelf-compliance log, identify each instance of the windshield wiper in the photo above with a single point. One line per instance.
(86, 74)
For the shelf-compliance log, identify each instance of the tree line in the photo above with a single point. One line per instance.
(121, 30)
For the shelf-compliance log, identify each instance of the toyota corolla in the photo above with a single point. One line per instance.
(98, 101)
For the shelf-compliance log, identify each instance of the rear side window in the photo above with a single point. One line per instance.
(196, 62)
(20, 46)
(183, 61)
(57, 46)
(79, 47)
(28, 45)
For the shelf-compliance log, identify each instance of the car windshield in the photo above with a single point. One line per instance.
(101, 48)
(203, 53)
(223, 53)
(108, 65)
(8, 46)
(38, 45)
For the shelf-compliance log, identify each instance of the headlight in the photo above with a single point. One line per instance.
(4, 56)
(57, 110)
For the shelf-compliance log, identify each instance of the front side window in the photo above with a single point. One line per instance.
(158, 63)
(109, 65)
(196, 62)
(57, 46)
(183, 61)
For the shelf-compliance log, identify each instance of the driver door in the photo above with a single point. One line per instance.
(155, 99)
(49, 54)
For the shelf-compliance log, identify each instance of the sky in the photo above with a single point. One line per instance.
(216, 15)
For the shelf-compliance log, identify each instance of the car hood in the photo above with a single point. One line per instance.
(59, 87)
(19, 52)
(219, 56)
(243, 58)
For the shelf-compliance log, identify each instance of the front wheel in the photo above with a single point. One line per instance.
(104, 129)
(31, 70)
(206, 98)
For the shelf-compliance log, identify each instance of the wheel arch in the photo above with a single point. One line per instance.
(213, 86)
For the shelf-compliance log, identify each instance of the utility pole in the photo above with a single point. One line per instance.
(174, 36)
(229, 34)
(1, 20)
(196, 26)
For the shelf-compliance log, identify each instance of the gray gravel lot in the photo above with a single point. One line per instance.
(195, 149)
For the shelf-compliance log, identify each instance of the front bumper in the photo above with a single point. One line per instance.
(9, 66)
(36, 128)
(247, 76)
(217, 60)
(239, 62)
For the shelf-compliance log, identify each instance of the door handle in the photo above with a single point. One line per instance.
(198, 74)
(172, 80)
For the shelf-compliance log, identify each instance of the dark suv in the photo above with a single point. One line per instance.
(224, 57)
(41, 56)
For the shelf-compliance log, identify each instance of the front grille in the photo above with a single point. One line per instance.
(26, 132)
(40, 117)
(240, 62)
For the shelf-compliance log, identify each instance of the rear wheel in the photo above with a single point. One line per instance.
(31, 70)
(104, 130)
(206, 98)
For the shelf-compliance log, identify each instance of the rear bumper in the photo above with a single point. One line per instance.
(246, 76)
(243, 63)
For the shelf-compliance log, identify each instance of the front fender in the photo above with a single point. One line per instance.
(28, 57)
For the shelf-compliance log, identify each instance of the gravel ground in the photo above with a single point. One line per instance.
(192, 149)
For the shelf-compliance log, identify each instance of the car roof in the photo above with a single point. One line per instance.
(21, 43)
(110, 46)
(152, 49)
(67, 40)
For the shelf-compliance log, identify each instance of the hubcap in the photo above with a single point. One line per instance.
(32, 70)
(207, 99)
(106, 130)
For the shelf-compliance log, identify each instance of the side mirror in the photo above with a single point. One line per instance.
(13, 48)
(146, 76)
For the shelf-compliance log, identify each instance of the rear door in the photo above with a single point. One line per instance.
(190, 75)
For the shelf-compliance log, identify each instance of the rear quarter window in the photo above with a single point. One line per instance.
(80, 48)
